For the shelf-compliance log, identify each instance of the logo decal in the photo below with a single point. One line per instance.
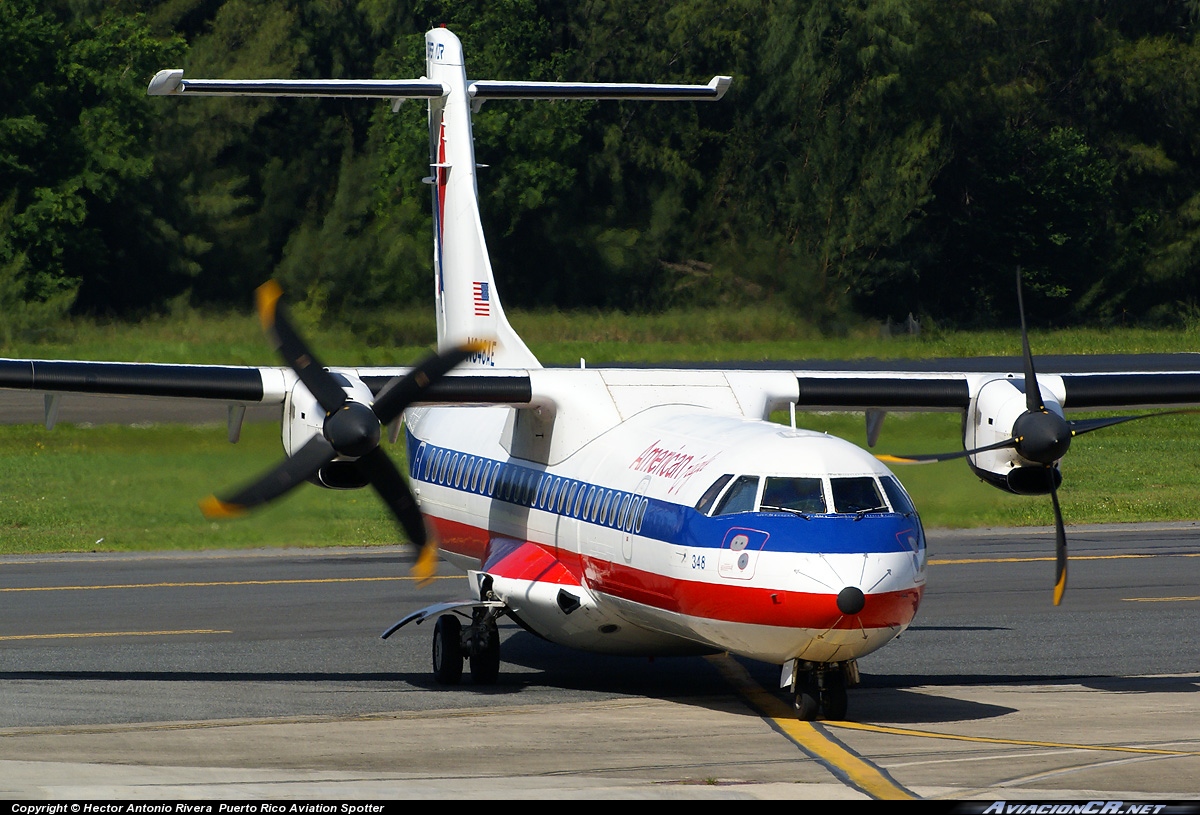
(674, 464)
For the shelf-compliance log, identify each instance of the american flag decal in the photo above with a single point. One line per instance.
(479, 294)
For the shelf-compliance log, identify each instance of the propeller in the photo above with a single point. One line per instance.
(1043, 437)
(351, 430)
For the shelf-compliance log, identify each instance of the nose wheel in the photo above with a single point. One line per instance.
(819, 689)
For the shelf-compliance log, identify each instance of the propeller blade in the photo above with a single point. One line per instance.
(1033, 394)
(390, 484)
(350, 429)
(1081, 426)
(1060, 543)
(402, 391)
(294, 350)
(394, 490)
(935, 457)
(289, 473)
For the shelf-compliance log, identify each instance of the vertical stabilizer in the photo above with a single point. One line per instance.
(468, 306)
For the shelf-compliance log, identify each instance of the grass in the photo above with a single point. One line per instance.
(110, 488)
(81, 488)
(562, 338)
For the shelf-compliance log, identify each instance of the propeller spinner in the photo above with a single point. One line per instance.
(351, 431)
(1041, 436)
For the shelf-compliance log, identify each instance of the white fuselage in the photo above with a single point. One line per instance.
(604, 549)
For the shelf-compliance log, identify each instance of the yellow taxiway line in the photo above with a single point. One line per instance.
(813, 738)
(110, 634)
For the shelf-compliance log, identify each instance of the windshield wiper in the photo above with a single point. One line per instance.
(789, 510)
(858, 516)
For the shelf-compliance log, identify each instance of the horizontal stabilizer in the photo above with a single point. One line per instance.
(172, 83)
(494, 89)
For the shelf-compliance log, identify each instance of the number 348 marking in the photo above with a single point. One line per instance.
(697, 561)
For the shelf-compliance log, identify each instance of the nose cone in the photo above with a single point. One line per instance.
(850, 600)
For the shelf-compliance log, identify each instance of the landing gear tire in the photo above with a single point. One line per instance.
(820, 688)
(805, 703)
(485, 654)
(447, 650)
(833, 697)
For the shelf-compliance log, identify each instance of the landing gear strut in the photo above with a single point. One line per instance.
(478, 642)
(820, 687)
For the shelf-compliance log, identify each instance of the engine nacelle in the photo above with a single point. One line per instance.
(991, 419)
(304, 419)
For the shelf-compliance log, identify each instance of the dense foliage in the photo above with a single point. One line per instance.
(873, 158)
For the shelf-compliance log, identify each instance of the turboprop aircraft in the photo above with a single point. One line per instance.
(627, 511)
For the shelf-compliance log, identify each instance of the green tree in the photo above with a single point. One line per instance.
(76, 158)
(843, 160)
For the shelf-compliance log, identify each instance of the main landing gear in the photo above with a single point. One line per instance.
(478, 642)
(820, 687)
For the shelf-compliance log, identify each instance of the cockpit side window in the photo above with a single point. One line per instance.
(740, 497)
(856, 494)
(710, 495)
(796, 494)
(896, 494)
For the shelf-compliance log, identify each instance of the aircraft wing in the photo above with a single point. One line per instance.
(236, 387)
(233, 384)
(1082, 382)
(230, 383)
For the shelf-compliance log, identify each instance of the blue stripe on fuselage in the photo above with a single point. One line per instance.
(520, 484)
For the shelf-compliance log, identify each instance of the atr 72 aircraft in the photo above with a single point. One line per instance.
(625, 511)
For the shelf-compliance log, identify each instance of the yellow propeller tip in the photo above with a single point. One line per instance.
(267, 297)
(214, 507)
(890, 459)
(426, 565)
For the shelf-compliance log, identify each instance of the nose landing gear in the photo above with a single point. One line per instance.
(820, 687)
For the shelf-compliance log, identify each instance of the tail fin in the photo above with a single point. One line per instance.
(468, 306)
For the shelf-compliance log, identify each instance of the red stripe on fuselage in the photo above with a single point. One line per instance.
(748, 604)
(508, 557)
(725, 601)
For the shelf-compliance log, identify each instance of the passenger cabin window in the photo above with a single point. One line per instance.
(801, 495)
(857, 494)
(640, 514)
(740, 497)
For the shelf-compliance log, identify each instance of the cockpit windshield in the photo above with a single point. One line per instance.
(740, 497)
(898, 497)
(856, 494)
(801, 495)
(710, 495)
(804, 495)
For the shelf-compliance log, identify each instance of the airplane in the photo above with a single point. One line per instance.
(635, 511)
